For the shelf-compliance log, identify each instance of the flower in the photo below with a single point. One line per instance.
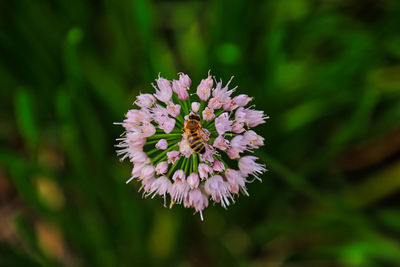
(173, 156)
(218, 166)
(145, 100)
(236, 181)
(164, 91)
(248, 165)
(204, 170)
(204, 88)
(185, 148)
(253, 139)
(178, 191)
(223, 124)
(198, 201)
(162, 167)
(221, 96)
(238, 127)
(181, 86)
(160, 186)
(193, 180)
(208, 114)
(147, 172)
(221, 143)
(195, 107)
(218, 189)
(162, 144)
(174, 110)
(189, 167)
(241, 100)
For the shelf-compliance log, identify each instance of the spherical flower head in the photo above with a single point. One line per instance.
(178, 142)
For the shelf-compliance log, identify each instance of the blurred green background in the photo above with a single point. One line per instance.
(326, 72)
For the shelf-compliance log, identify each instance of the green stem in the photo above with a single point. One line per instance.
(172, 168)
(195, 162)
(165, 136)
(152, 142)
(165, 158)
(191, 163)
(179, 119)
(152, 151)
(202, 103)
(187, 163)
(209, 123)
(184, 163)
(188, 104)
(179, 124)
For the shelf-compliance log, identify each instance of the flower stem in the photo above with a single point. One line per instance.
(184, 163)
(165, 136)
(208, 123)
(202, 103)
(152, 142)
(152, 151)
(187, 163)
(184, 107)
(164, 158)
(195, 162)
(173, 167)
(191, 163)
(180, 119)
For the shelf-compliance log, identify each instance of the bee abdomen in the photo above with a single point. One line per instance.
(196, 143)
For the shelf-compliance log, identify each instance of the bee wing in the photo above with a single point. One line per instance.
(203, 135)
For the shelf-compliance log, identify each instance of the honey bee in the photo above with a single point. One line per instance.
(194, 134)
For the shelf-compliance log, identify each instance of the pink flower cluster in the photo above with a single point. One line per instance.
(163, 160)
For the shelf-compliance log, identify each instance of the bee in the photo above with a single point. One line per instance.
(194, 134)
